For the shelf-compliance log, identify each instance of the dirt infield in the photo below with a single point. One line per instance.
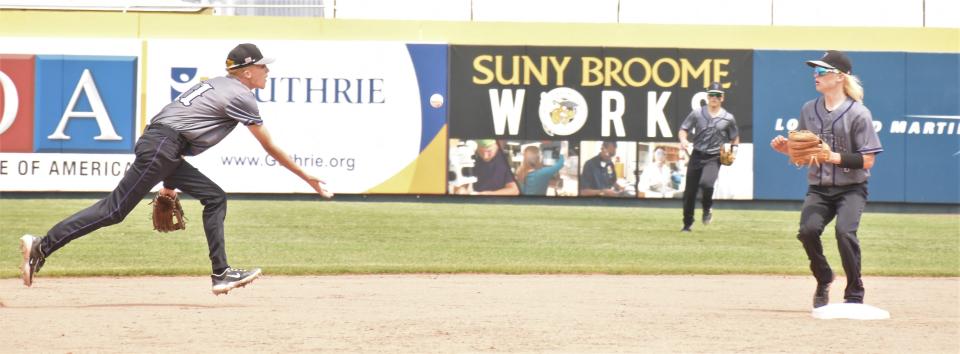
(471, 313)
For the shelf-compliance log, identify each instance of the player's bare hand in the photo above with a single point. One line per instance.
(834, 158)
(779, 143)
(318, 186)
(172, 193)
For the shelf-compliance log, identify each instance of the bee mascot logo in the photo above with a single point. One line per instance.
(563, 111)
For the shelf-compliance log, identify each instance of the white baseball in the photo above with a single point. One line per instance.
(436, 101)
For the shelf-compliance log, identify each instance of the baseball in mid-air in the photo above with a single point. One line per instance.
(436, 101)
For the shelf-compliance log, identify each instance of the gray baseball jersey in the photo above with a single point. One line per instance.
(208, 111)
(849, 128)
(709, 134)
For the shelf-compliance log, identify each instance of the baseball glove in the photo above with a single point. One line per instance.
(806, 148)
(727, 156)
(167, 214)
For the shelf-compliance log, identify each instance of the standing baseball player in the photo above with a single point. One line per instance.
(712, 126)
(837, 185)
(194, 122)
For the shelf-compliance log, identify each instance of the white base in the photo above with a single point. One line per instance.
(850, 311)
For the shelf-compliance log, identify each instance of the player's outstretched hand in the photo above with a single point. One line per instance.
(317, 185)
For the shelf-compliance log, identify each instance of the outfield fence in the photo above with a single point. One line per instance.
(386, 107)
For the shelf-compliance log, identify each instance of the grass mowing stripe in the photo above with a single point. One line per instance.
(303, 237)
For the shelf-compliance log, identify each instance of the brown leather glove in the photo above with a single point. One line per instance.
(167, 213)
(805, 148)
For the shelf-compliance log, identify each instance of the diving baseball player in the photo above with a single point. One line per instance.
(194, 122)
(838, 182)
(712, 126)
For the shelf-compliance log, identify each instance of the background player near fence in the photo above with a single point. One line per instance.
(712, 126)
(837, 187)
(197, 120)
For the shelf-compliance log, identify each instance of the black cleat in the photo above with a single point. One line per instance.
(822, 296)
(686, 228)
(233, 278)
(33, 258)
(707, 216)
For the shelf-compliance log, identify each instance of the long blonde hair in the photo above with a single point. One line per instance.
(852, 87)
(525, 167)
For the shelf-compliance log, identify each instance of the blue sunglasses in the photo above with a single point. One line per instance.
(821, 71)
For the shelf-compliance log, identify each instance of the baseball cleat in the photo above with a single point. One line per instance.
(33, 258)
(707, 217)
(821, 297)
(233, 278)
(686, 228)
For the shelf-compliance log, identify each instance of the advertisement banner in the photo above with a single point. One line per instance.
(373, 117)
(365, 117)
(69, 112)
(580, 97)
(590, 93)
(912, 99)
(931, 128)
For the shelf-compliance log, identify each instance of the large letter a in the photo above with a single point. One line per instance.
(99, 111)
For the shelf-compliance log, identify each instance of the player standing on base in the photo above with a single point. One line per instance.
(838, 186)
(194, 122)
(712, 127)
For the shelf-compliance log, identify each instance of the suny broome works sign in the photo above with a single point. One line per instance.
(590, 93)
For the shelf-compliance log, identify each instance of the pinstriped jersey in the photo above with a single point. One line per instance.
(848, 128)
(209, 111)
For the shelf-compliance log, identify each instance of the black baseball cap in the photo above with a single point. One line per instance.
(245, 54)
(715, 87)
(833, 59)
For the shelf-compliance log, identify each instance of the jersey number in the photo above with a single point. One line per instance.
(187, 99)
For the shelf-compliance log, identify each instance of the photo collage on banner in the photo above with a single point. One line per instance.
(617, 110)
(608, 169)
(662, 170)
(512, 167)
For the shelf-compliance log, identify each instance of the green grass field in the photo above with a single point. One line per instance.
(304, 237)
